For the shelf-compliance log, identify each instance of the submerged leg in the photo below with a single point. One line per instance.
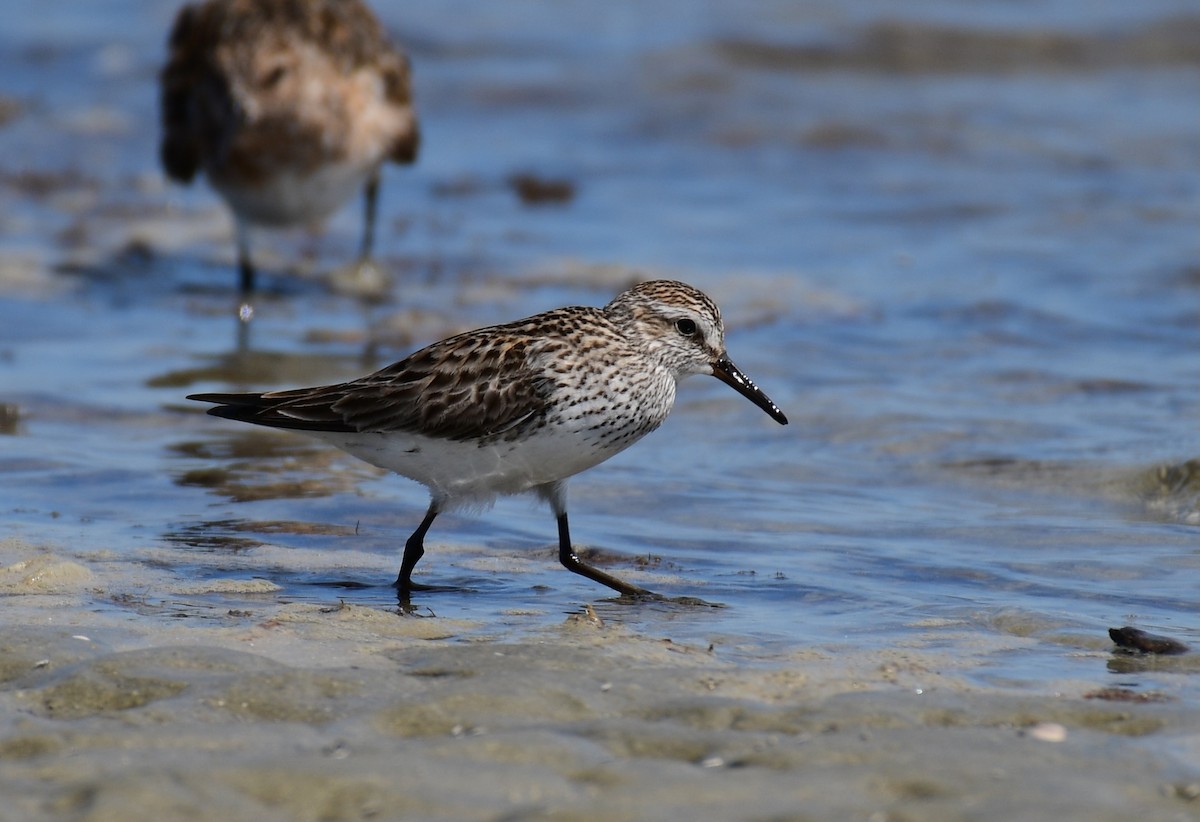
(414, 549)
(245, 265)
(245, 275)
(370, 203)
(573, 563)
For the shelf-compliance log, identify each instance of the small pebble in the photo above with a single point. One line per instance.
(1048, 732)
(1135, 639)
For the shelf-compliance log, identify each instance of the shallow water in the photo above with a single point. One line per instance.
(961, 255)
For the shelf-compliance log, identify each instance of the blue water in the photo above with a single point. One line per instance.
(974, 290)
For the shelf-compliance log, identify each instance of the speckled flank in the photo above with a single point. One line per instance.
(517, 407)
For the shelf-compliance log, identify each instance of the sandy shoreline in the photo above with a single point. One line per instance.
(114, 710)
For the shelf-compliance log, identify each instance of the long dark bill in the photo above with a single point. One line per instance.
(728, 373)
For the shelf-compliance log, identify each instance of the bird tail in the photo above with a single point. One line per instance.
(276, 410)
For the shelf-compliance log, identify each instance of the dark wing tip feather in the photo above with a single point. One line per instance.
(254, 400)
(260, 409)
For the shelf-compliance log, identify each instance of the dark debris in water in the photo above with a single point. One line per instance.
(224, 535)
(916, 48)
(10, 418)
(43, 183)
(208, 536)
(1128, 695)
(295, 527)
(1134, 639)
(535, 190)
(1182, 476)
(654, 561)
(10, 109)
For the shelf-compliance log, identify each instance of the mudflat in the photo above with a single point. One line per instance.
(117, 706)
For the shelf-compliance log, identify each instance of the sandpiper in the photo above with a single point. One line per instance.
(288, 107)
(517, 407)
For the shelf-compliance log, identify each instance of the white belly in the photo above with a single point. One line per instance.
(466, 473)
(289, 197)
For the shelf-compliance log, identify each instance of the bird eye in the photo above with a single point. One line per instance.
(685, 327)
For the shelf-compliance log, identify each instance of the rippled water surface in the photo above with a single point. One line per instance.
(957, 246)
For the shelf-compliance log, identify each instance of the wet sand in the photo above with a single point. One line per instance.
(119, 705)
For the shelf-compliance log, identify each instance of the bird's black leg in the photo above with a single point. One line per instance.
(245, 264)
(245, 275)
(370, 203)
(566, 555)
(414, 549)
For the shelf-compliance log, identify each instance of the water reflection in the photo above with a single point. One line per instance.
(224, 534)
(247, 366)
(1125, 663)
(249, 466)
(910, 47)
(210, 536)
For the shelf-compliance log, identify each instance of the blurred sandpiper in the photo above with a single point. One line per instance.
(288, 107)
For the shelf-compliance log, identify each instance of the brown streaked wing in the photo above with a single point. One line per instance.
(475, 385)
(260, 409)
